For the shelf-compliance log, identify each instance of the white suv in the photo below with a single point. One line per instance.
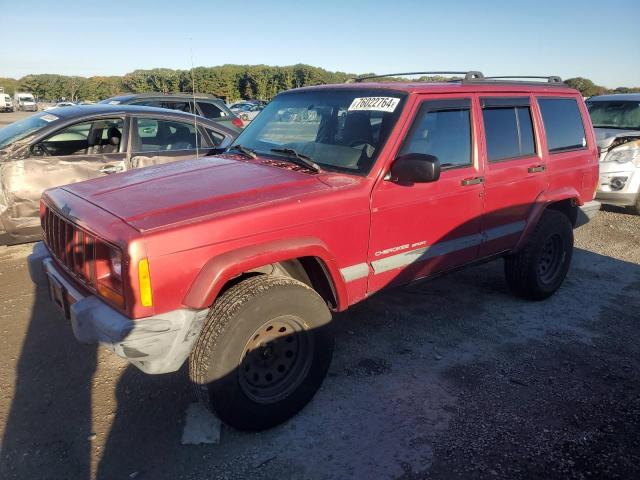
(616, 120)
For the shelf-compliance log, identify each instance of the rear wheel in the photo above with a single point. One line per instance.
(263, 352)
(538, 270)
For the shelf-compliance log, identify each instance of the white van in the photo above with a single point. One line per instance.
(6, 105)
(25, 101)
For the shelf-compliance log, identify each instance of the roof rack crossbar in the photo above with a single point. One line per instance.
(549, 78)
(468, 75)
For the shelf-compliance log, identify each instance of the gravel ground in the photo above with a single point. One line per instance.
(10, 117)
(452, 378)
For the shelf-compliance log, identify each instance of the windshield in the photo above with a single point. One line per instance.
(615, 114)
(26, 99)
(340, 130)
(20, 129)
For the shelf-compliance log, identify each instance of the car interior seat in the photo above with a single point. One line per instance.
(181, 139)
(357, 130)
(114, 136)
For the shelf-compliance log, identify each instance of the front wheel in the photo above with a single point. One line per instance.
(263, 352)
(537, 271)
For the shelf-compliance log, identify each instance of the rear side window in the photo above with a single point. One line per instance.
(154, 135)
(442, 128)
(508, 128)
(209, 110)
(562, 124)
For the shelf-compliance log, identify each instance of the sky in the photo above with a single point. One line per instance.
(596, 40)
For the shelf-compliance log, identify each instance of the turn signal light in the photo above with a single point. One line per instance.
(144, 280)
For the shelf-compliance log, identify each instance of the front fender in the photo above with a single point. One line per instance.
(219, 270)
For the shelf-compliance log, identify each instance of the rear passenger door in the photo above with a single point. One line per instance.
(423, 228)
(162, 140)
(515, 172)
(572, 150)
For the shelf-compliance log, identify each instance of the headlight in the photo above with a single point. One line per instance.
(116, 263)
(629, 152)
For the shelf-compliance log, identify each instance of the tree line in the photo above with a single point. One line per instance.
(229, 82)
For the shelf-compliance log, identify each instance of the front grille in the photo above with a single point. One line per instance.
(74, 248)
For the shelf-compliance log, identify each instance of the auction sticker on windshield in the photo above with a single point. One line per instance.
(379, 104)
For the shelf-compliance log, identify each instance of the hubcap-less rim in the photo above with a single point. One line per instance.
(276, 359)
(551, 259)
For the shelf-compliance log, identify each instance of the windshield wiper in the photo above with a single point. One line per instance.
(247, 152)
(298, 158)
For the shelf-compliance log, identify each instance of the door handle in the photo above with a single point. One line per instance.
(111, 169)
(472, 181)
(536, 169)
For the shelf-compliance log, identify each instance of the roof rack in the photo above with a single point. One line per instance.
(470, 75)
(549, 79)
(474, 76)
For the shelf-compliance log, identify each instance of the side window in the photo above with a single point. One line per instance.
(508, 128)
(155, 135)
(216, 137)
(87, 138)
(442, 128)
(180, 106)
(209, 110)
(562, 124)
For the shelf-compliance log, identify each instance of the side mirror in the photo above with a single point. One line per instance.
(415, 168)
(38, 150)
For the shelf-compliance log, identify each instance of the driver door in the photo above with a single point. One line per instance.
(74, 153)
(420, 229)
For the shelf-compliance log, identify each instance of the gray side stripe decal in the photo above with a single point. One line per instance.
(355, 272)
(444, 248)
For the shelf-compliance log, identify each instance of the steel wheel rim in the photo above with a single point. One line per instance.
(276, 359)
(551, 259)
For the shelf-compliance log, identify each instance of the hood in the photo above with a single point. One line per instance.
(606, 136)
(183, 191)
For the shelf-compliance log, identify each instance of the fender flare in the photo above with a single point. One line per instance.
(217, 271)
(541, 203)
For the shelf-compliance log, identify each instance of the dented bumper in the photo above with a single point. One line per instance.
(157, 344)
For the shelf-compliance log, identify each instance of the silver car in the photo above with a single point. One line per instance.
(71, 144)
(616, 120)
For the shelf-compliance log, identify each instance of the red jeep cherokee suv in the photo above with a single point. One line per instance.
(331, 194)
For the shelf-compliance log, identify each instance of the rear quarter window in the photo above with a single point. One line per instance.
(562, 124)
(211, 111)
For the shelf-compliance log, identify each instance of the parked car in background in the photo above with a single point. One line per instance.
(237, 262)
(248, 112)
(616, 121)
(70, 144)
(61, 104)
(25, 102)
(242, 104)
(6, 104)
(207, 106)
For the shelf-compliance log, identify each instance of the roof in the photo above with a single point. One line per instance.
(622, 97)
(101, 108)
(80, 111)
(129, 96)
(450, 87)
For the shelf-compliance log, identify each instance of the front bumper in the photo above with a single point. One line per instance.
(614, 175)
(157, 344)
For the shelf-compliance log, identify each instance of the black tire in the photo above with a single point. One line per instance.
(636, 207)
(263, 352)
(537, 271)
